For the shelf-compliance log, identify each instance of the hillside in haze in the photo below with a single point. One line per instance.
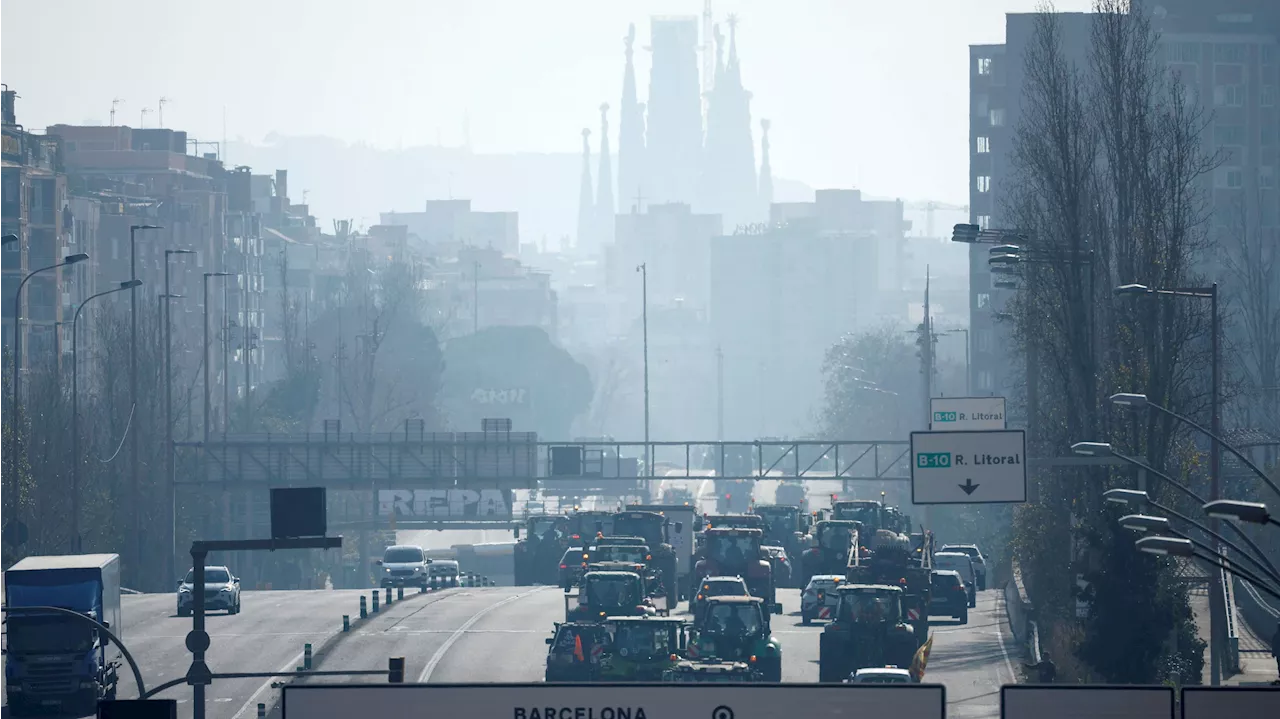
(354, 181)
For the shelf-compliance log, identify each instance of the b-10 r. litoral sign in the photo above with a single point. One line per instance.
(613, 701)
(969, 467)
(949, 414)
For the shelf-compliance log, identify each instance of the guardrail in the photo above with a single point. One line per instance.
(1021, 613)
(1229, 603)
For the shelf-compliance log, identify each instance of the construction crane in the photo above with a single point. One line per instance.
(929, 206)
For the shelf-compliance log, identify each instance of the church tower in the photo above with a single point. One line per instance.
(604, 184)
(728, 180)
(587, 239)
(766, 171)
(631, 149)
(674, 137)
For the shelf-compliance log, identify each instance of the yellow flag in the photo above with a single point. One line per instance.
(921, 659)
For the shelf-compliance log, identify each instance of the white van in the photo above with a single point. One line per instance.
(962, 563)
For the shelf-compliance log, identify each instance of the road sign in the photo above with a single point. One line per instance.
(611, 701)
(949, 414)
(1031, 701)
(969, 467)
(1214, 702)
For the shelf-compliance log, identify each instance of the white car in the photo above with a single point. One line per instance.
(820, 598)
(404, 565)
(959, 562)
(221, 591)
(444, 571)
(880, 675)
(979, 564)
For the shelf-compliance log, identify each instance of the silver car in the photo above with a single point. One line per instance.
(444, 571)
(820, 598)
(979, 564)
(221, 591)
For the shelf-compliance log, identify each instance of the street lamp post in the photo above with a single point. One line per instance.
(208, 275)
(75, 410)
(133, 394)
(1217, 619)
(170, 469)
(17, 336)
(643, 269)
(1182, 547)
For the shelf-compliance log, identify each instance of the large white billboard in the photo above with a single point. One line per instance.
(969, 467)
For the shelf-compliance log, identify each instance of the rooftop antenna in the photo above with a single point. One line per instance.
(160, 112)
(145, 112)
(114, 102)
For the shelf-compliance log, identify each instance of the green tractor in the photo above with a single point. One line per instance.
(574, 652)
(653, 528)
(832, 540)
(736, 629)
(869, 630)
(537, 554)
(641, 649)
(605, 594)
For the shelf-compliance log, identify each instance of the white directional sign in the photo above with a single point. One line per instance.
(612, 701)
(954, 413)
(1028, 701)
(968, 467)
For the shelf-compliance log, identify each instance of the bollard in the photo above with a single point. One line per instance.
(399, 593)
(374, 609)
(434, 583)
(395, 670)
(306, 657)
(262, 710)
(364, 611)
(346, 622)
(387, 600)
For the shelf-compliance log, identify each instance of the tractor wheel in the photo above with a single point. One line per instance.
(831, 660)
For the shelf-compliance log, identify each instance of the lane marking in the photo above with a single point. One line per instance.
(457, 634)
(1013, 678)
(252, 702)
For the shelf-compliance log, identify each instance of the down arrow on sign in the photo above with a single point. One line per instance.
(969, 486)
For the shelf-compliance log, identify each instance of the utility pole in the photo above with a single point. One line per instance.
(133, 396)
(114, 103)
(643, 269)
(226, 359)
(719, 394)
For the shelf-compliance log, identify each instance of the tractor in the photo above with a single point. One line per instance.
(537, 555)
(869, 631)
(737, 552)
(641, 649)
(785, 527)
(608, 594)
(736, 629)
(653, 528)
(832, 540)
(898, 561)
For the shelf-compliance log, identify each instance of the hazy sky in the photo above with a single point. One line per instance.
(866, 93)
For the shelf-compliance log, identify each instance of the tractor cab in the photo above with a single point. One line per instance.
(642, 649)
(870, 630)
(730, 552)
(608, 594)
(737, 629)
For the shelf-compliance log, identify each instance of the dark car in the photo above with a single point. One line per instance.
(949, 595)
(572, 566)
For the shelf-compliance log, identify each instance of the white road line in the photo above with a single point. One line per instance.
(1013, 678)
(457, 634)
(288, 667)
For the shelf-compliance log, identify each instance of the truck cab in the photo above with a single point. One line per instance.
(55, 662)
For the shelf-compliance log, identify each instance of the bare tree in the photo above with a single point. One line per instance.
(385, 301)
(1250, 258)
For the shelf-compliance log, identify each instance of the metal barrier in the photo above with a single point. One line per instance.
(1229, 603)
(1033, 641)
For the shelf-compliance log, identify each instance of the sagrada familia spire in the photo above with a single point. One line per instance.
(604, 187)
(766, 171)
(729, 169)
(586, 201)
(674, 140)
(630, 134)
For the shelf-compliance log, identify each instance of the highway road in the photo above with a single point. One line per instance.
(492, 634)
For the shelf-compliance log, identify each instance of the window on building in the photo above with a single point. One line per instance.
(1267, 98)
(983, 221)
(1229, 178)
(997, 117)
(1266, 177)
(984, 183)
(986, 380)
(1228, 95)
(983, 145)
(981, 104)
(984, 66)
(1228, 134)
(1184, 52)
(982, 341)
(984, 299)
(1228, 52)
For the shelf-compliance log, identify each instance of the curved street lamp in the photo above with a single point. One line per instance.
(75, 409)
(17, 337)
(1180, 547)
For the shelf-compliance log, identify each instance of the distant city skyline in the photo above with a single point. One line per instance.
(539, 72)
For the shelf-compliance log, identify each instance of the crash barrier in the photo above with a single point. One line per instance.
(1258, 611)
(1229, 602)
(1033, 642)
(617, 701)
(1071, 701)
(1020, 611)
